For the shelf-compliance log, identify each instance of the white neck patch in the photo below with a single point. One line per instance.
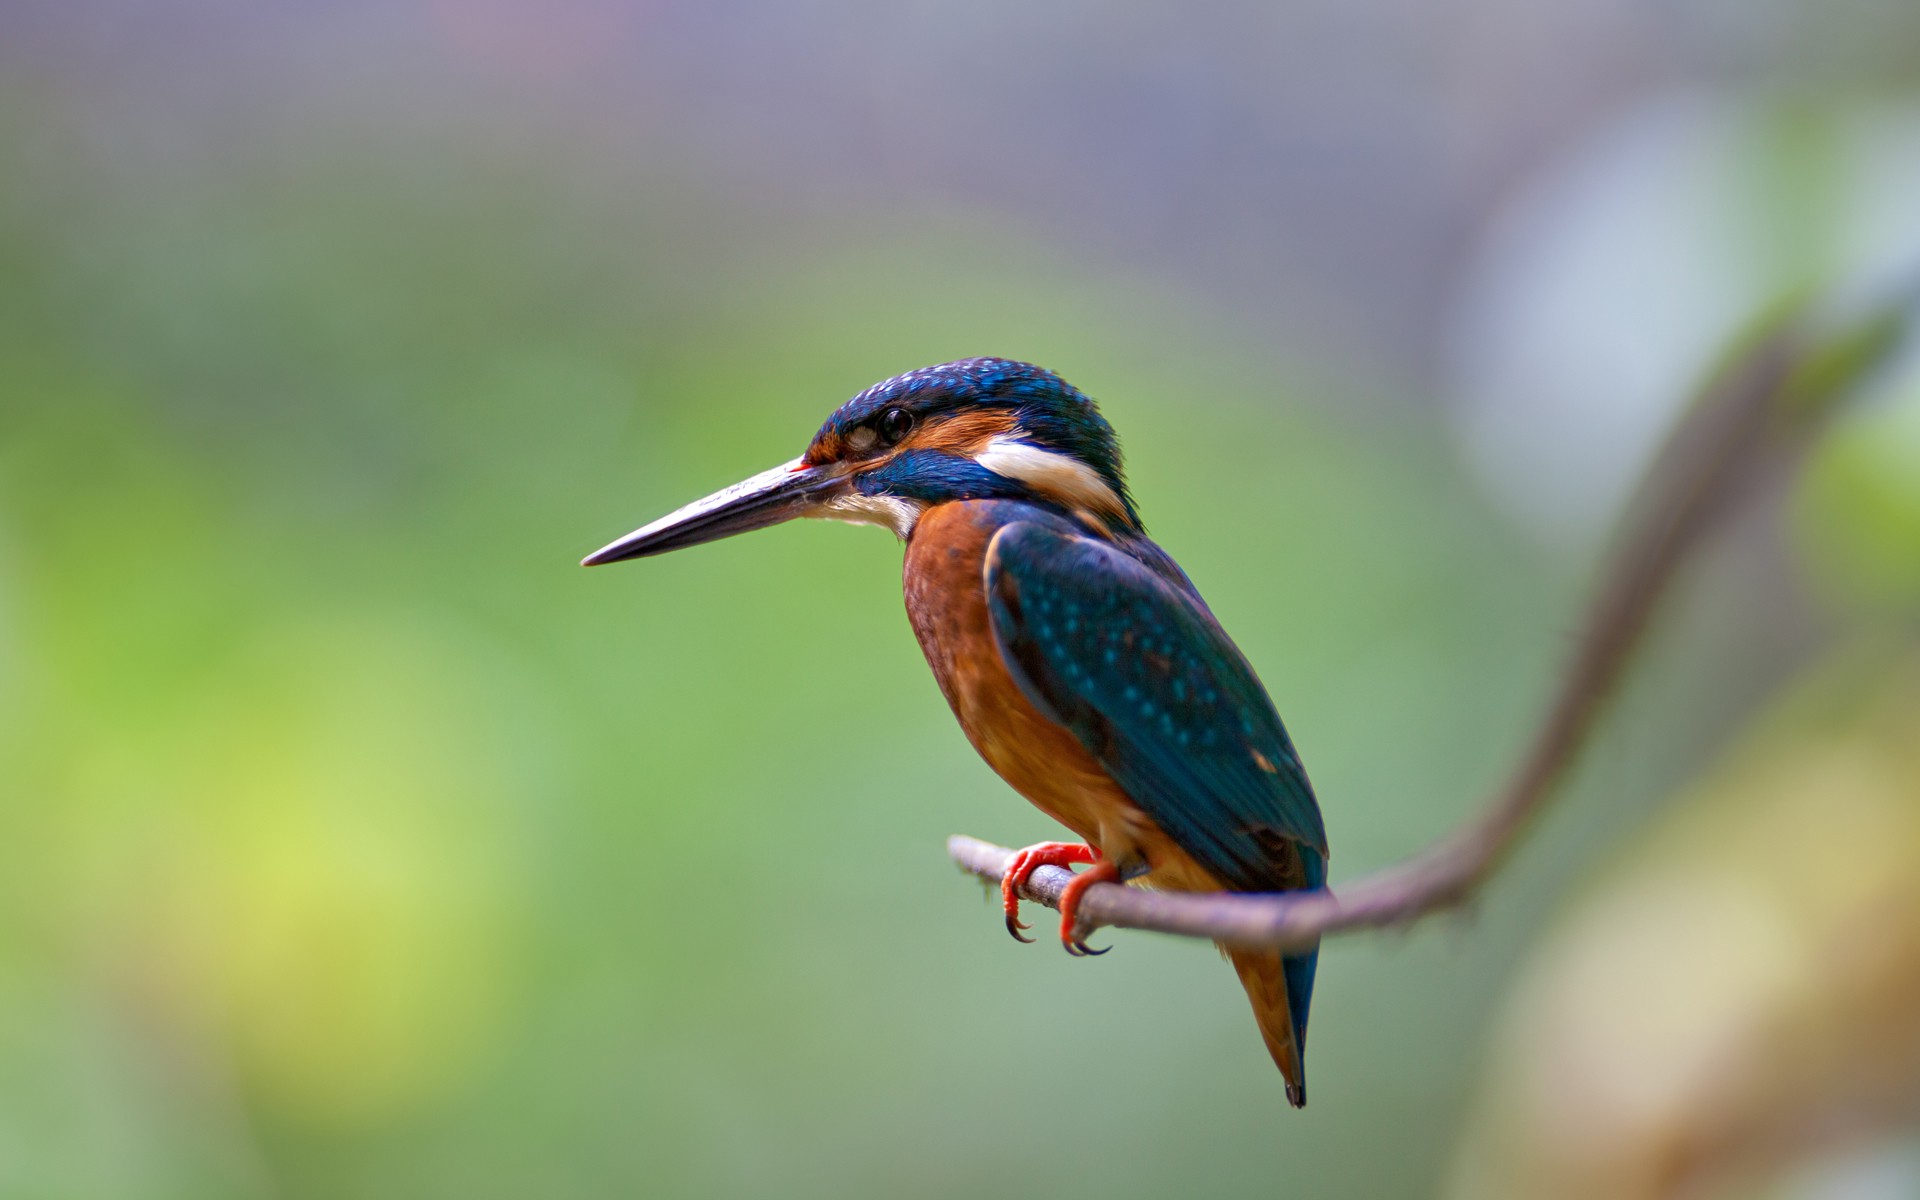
(1068, 480)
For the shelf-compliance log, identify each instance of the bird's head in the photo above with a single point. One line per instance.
(980, 428)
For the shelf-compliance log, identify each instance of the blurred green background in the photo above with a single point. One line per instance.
(354, 843)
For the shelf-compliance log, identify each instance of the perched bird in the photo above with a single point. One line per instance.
(1078, 657)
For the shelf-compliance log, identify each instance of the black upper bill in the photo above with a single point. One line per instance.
(785, 492)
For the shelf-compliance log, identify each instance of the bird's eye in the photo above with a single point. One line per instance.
(895, 424)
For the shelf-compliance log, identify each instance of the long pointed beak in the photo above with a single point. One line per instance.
(787, 491)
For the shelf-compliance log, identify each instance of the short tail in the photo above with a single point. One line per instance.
(1281, 990)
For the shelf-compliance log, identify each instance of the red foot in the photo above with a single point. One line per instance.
(1056, 854)
(1025, 862)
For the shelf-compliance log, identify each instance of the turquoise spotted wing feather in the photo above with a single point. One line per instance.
(1137, 668)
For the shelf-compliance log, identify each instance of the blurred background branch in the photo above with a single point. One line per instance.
(1775, 389)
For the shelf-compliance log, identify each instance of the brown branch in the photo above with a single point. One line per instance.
(1760, 409)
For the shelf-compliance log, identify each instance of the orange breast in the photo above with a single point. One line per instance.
(946, 601)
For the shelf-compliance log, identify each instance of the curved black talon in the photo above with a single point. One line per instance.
(1081, 950)
(1014, 926)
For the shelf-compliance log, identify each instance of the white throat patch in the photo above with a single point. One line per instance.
(1068, 480)
(893, 512)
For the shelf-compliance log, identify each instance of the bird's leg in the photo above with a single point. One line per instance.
(1104, 870)
(1025, 862)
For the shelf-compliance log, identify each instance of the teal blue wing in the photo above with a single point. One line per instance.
(1145, 678)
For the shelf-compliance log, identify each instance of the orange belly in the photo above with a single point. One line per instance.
(946, 601)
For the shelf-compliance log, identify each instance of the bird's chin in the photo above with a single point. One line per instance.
(891, 512)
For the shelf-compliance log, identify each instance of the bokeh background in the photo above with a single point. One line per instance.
(354, 843)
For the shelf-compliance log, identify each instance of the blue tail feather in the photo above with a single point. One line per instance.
(1299, 968)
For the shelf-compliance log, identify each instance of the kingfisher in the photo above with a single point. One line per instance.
(1078, 657)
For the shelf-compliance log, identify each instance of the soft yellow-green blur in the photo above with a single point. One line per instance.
(354, 842)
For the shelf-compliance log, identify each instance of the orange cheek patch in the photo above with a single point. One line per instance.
(964, 433)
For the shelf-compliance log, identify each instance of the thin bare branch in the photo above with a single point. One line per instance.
(1760, 409)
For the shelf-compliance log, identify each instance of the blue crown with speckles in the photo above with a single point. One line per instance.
(1052, 413)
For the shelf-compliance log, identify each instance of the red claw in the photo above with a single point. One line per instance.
(1102, 871)
(1025, 862)
(1056, 854)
